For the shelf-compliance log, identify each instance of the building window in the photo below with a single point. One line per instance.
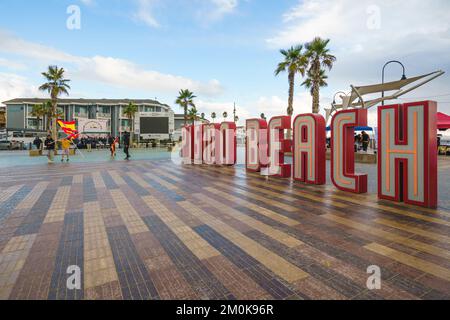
(33, 123)
(104, 112)
(81, 112)
(125, 123)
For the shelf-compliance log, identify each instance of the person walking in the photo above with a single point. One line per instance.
(50, 145)
(365, 140)
(126, 144)
(112, 146)
(65, 146)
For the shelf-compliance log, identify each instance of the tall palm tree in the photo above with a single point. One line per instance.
(319, 58)
(193, 114)
(294, 61)
(185, 100)
(213, 116)
(56, 85)
(130, 112)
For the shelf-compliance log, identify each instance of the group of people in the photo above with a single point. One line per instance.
(362, 141)
(50, 146)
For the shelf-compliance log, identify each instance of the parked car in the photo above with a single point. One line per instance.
(5, 145)
(10, 145)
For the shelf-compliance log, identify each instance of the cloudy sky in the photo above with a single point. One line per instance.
(223, 50)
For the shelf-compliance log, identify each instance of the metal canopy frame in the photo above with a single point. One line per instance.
(355, 99)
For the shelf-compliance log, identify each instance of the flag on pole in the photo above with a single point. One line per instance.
(69, 128)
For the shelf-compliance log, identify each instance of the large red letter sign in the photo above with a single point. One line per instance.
(407, 160)
(187, 146)
(198, 144)
(309, 148)
(256, 144)
(228, 144)
(342, 150)
(211, 143)
(278, 146)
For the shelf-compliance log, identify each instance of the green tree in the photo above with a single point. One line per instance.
(185, 100)
(213, 116)
(193, 114)
(294, 61)
(130, 112)
(225, 116)
(314, 81)
(56, 85)
(319, 58)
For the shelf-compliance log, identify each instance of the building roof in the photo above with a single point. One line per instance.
(88, 101)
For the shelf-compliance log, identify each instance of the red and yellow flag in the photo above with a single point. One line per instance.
(69, 128)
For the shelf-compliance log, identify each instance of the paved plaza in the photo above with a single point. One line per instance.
(152, 229)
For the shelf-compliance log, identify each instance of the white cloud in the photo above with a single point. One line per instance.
(144, 13)
(107, 70)
(10, 64)
(223, 7)
(365, 34)
(10, 44)
(123, 73)
(13, 86)
(214, 10)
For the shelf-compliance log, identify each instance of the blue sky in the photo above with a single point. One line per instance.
(223, 50)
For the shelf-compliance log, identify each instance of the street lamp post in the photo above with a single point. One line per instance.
(382, 75)
(334, 97)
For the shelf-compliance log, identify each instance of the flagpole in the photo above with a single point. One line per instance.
(76, 147)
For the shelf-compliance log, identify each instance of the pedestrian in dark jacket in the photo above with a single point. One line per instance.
(50, 145)
(126, 144)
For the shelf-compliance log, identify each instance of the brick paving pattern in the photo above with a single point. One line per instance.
(157, 230)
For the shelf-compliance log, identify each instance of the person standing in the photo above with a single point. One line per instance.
(89, 144)
(65, 146)
(37, 143)
(126, 144)
(50, 145)
(365, 140)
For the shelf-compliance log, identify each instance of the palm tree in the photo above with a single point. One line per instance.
(225, 115)
(213, 116)
(185, 100)
(319, 57)
(55, 86)
(315, 81)
(130, 111)
(193, 114)
(294, 62)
